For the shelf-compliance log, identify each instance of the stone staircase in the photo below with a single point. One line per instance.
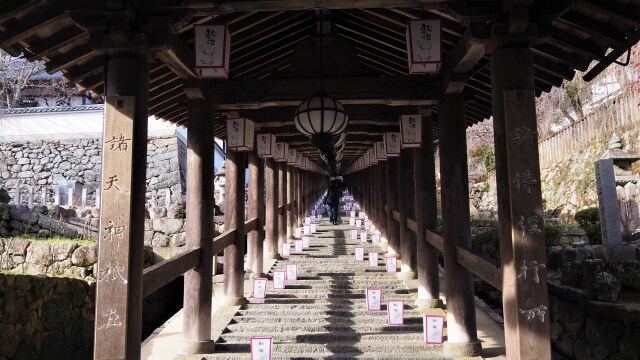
(323, 314)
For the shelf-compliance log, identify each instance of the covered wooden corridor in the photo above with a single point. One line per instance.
(491, 60)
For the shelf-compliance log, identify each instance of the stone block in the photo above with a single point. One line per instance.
(17, 246)
(5, 198)
(85, 255)
(160, 240)
(179, 239)
(606, 287)
(627, 272)
(39, 254)
(608, 202)
(23, 215)
(63, 250)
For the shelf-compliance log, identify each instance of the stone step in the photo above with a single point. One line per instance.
(408, 305)
(278, 356)
(331, 291)
(404, 347)
(323, 337)
(323, 295)
(275, 320)
(322, 311)
(324, 327)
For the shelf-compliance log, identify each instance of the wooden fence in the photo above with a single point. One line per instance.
(617, 114)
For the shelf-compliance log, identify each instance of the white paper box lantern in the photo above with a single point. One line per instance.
(282, 150)
(240, 134)
(411, 131)
(266, 144)
(299, 161)
(424, 46)
(381, 153)
(372, 156)
(292, 156)
(211, 47)
(392, 144)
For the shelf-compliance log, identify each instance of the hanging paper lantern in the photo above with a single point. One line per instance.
(381, 153)
(424, 46)
(266, 144)
(282, 151)
(292, 156)
(392, 144)
(240, 134)
(411, 131)
(211, 47)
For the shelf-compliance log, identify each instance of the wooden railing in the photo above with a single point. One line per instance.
(160, 274)
(483, 268)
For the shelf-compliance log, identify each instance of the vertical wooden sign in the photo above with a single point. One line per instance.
(112, 291)
(531, 300)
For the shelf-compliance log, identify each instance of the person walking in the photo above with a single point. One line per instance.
(333, 201)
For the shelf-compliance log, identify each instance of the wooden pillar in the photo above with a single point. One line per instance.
(393, 231)
(407, 208)
(282, 205)
(291, 198)
(522, 250)
(426, 219)
(271, 250)
(199, 228)
(300, 197)
(381, 179)
(234, 219)
(255, 238)
(461, 317)
(118, 317)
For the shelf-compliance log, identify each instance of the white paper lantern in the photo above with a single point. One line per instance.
(282, 151)
(299, 160)
(266, 144)
(292, 156)
(372, 156)
(392, 144)
(411, 131)
(211, 47)
(381, 153)
(424, 46)
(240, 135)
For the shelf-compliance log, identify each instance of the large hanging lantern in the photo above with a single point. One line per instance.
(424, 46)
(240, 134)
(392, 144)
(321, 117)
(381, 153)
(266, 144)
(411, 131)
(211, 48)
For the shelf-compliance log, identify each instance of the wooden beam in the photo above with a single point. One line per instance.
(177, 56)
(66, 60)
(256, 94)
(29, 25)
(460, 60)
(228, 7)
(629, 14)
(162, 273)
(67, 36)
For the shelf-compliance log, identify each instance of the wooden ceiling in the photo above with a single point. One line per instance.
(270, 75)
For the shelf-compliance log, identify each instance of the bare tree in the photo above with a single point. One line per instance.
(16, 73)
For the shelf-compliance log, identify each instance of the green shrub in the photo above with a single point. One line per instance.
(552, 234)
(589, 220)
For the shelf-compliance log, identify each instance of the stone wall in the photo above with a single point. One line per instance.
(592, 330)
(44, 222)
(45, 318)
(41, 164)
(73, 259)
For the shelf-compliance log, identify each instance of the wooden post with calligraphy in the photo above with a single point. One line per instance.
(291, 196)
(522, 247)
